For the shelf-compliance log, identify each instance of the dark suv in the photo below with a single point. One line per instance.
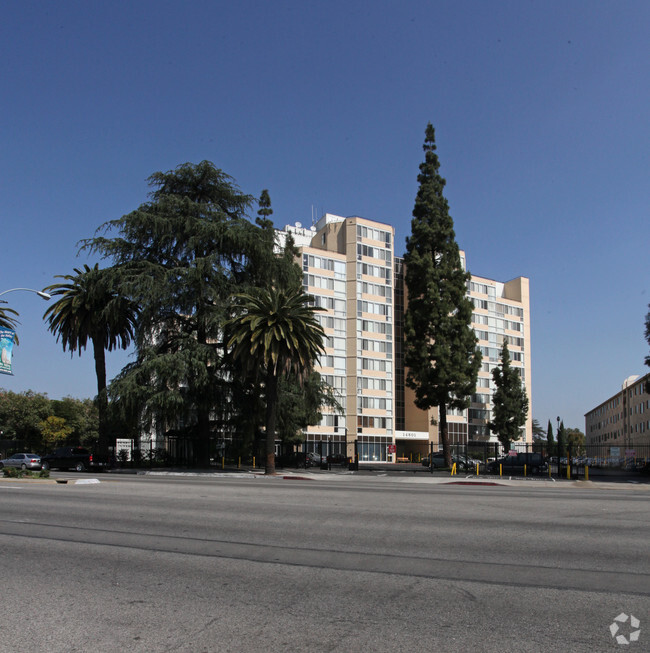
(76, 458)
(534, 462)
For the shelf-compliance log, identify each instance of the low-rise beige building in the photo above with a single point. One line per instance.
(623, 420)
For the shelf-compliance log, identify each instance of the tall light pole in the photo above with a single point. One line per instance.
(557, 445)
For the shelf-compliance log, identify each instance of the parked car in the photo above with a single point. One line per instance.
(534, 463)
(438, 458)
(315, 459)
(22, 460)
(76, 458)
(337, 459)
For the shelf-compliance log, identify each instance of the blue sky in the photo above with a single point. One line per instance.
(541, 112)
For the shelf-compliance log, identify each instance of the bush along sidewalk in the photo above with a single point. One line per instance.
(11, 472)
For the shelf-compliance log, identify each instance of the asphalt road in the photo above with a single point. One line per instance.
(336, 563)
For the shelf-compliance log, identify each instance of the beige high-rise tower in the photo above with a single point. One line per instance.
(350, 268)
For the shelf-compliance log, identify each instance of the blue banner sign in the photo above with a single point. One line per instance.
(7, 337)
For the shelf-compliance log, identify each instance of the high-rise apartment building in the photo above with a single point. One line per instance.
(350, 268)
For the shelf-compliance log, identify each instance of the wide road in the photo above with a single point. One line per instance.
(336, 563)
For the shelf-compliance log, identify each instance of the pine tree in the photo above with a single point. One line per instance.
(561, 441)
(441, 351)
(509, 401)
(265, 210)
(549, 438)
(182, 255)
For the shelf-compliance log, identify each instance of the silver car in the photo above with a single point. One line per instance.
(22, 460)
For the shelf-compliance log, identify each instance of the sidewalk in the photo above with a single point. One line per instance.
(394, 475)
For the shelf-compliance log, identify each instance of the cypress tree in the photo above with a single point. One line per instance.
(441, 351)
(561, 441)
(549, 438)
(509, 402)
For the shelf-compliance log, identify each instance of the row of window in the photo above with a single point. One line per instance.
(499, 324)
(337, 362)
(336, 382)
(373, 252)
(372, 422)
(375, 365)
(640, 427)
(329, 322)
(371, 383)
(495, 307)
(498, 339)
(335, 343)
(374, 271)
(374, 234)
(381, 346)
(611, 404)
(482, 288)
(327, 283)
(370, 326)
(330, 303)
(323, 263)
(506, 309)
(376, 308)
(374, 403)
(375, 289)
(494, 354)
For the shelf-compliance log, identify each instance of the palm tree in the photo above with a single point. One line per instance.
(276, 331)
(92, 309)
(7, 321)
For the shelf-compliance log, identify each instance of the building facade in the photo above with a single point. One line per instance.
(623, 420)
(350, 268)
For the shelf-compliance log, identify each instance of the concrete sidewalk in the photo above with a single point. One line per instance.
(437, 478)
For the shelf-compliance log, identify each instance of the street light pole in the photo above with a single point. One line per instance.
(42, 294)
(557, 446)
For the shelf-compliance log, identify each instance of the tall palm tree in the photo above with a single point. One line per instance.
(92, 309)
(276, 331)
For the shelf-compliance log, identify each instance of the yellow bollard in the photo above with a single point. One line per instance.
(477, 469)
(253, 462)
(500, 469)
(223, 462)
(568, 470)
(524, 469)
(586, 472)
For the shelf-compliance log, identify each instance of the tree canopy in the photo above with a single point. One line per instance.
(181, 257)
(32, 421)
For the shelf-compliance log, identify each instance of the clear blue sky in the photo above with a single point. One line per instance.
(541, 112)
